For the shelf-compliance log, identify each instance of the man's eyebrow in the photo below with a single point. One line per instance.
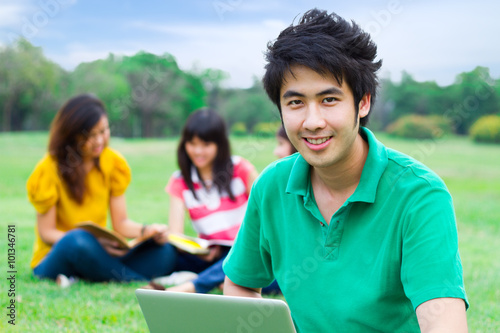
(329, 91)
(292, 93)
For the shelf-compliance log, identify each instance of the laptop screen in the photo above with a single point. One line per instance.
(185, 312)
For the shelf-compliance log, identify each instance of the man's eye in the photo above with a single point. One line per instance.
(295, 102)
(329, 99)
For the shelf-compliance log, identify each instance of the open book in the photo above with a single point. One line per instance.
(195, 245)
(101, 232)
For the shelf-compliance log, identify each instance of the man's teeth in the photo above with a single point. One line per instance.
(317, 141)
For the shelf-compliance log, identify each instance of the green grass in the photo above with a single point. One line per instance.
(471, 172)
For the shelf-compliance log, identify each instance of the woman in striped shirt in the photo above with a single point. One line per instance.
(213, 188)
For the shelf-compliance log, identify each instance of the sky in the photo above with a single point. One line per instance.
(432, 40)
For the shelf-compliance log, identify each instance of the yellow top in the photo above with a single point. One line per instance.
(46, 189)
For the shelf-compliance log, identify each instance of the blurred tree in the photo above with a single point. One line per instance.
(102, 79)
(250, 106)
(148, 95)
(474, 94)
(31, 87)
(412, 97)
(162, 96)
(212, 81)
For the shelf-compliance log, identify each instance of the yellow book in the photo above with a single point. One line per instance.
(195, 245)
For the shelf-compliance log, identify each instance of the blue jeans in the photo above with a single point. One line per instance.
(79, 254)
(210, 274)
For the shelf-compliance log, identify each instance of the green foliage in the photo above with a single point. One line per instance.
(412, 97)
(239, 129)
(145, 94)
(419, 127)
(101, 78)
(473, 95)
(31, 87)
(250, 106)
(148, 95)
(486, 129)
(442, 123)
(162, 96)
(266, 130)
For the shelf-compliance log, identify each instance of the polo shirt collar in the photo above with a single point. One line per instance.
(298, 181)
(375, 164)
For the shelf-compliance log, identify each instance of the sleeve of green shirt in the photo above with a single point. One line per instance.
(248, 263)
(431, 266)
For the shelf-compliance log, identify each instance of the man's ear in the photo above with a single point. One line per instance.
(364, 105)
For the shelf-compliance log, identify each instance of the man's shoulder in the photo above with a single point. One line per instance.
(410, 168)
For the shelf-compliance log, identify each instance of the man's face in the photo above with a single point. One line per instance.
(319, 116)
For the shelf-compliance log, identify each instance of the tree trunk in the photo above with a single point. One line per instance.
(7, 113)
(147, 123)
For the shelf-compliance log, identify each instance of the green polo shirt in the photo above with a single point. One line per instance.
(389, 248)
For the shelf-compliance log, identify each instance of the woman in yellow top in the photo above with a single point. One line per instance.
(79, 180)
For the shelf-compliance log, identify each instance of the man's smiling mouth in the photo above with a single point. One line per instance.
(318, 141)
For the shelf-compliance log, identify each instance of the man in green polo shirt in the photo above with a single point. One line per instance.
(360, 238)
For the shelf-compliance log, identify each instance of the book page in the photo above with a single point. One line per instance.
(100, 232)
(192, 245)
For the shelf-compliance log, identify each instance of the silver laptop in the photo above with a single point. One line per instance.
(167, 311)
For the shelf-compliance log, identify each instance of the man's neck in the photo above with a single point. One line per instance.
(343, 177)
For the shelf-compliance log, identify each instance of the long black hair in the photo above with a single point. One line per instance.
(70, 128)
(209, 126)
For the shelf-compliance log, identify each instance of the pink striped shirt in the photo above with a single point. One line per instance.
(214, 215)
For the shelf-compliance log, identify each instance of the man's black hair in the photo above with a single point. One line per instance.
(329, 45)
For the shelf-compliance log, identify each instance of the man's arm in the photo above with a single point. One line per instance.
(442, 315)
(233, 289)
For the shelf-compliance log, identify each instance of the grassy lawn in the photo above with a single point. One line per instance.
(471, 172)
